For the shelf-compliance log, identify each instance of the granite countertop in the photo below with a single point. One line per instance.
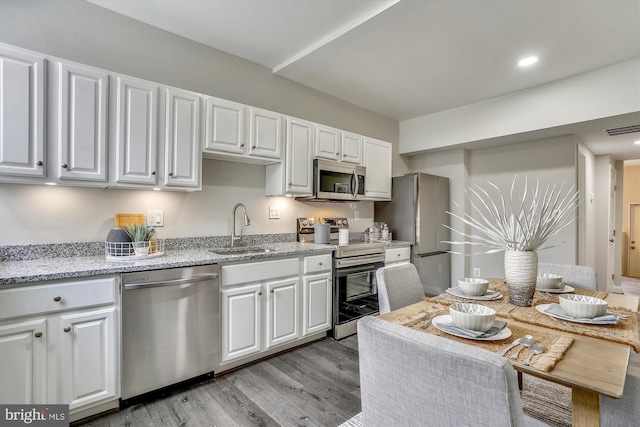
(41, 269)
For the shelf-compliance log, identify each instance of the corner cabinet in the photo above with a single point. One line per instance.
(294, 176)
(183, 160)
(377, 159)
(269, 306)
(82, 123)
(22, 131)
(59, 343)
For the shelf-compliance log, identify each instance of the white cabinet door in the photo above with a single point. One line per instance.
(327, 142)
(298, 160)
(224, 126)
(351, 148)
(265, 133)
(82, 123)
(88, 357)
(316, 297)
(23, 362)
(182, 139)
(377, 160)
(21, 113)
(240, 321)
(282, 312)
(136, 139)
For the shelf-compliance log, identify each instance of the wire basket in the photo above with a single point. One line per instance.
(132, 251)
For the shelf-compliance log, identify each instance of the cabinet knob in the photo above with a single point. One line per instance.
(271, 290)
(67, 329)
(40, 163)
(170, 173)
(337, 154)
(290, 184)
(253, 147)
(57, 299)
(260, 293)
(241, 145)
(320, 263)
(153, 173)
(37, 334)
(633, 247)
(64, 166)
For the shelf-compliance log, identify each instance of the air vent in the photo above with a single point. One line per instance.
(622, 130)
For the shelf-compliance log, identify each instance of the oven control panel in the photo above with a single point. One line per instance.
(306, 227)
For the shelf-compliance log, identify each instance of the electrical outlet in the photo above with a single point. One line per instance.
(476, 272)
(155, 218)
(274, 212)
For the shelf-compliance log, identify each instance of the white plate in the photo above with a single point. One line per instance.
(446, 318)
(488, 296)
(564, 290)
(542, 307)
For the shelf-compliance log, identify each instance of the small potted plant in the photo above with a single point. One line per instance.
(140, 236)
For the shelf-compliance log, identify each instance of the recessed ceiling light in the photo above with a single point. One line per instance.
(529, 60)
(51, 183)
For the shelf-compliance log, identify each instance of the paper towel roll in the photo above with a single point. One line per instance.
(343, 236)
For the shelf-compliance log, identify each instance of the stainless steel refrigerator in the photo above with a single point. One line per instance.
(416, 213)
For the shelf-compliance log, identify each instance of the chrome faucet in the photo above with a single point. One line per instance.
(247, 222)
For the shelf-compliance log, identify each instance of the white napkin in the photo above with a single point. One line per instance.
(489, 295)
(557, 310)
(451, 327)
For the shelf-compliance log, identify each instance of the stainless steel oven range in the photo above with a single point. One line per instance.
(355, 291)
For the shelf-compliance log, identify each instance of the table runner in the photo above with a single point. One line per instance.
(555, 344)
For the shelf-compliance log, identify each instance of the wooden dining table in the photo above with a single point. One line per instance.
(591, 366)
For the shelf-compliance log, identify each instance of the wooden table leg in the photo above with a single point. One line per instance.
(585, 407)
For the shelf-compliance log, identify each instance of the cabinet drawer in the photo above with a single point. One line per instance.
(317, 263)
(397, 254)
(258, 271)
(55, 297)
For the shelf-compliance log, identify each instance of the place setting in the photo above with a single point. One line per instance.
(474, 288)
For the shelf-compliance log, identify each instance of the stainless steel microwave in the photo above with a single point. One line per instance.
(338, 181)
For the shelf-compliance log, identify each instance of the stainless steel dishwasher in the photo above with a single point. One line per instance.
(170, 327)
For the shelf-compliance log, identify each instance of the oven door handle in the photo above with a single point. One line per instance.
(359, 261)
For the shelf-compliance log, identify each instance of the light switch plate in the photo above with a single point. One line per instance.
(274, 212)
(155, 218)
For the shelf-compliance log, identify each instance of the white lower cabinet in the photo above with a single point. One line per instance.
(400, 255)
(59, 343)
(267, 306)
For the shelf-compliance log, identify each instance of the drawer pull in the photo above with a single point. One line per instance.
(320, 263)
(57, 299)
(37, 334)
(67, 329)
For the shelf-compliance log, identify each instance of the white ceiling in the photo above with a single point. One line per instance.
(408, 58)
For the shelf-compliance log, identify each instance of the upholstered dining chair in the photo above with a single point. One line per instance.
(625, 411)
(410, 378)
(398, 286)
(577, 276)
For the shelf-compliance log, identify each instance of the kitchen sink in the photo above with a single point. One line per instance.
(239, 251)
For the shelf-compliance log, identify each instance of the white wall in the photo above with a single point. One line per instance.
(616, 89)
(80, 31)
(42, 214)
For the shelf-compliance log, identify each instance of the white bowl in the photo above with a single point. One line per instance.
(473, 286)
(549, 281)
(472, 316)
(582, 306)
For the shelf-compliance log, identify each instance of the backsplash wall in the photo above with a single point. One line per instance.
(34, 214)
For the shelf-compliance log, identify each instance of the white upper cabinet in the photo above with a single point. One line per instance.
(22, 88)
(334, 144)
(182, 139)
(265, 133)
(377, 160)
(136, 131)
(351, 148)
(294, 177)
(82, 122)
(327, 142)
(224, 126)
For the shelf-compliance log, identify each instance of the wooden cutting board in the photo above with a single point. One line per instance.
(123, 219)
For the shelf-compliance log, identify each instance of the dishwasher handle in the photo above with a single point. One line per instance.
(195, 279)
